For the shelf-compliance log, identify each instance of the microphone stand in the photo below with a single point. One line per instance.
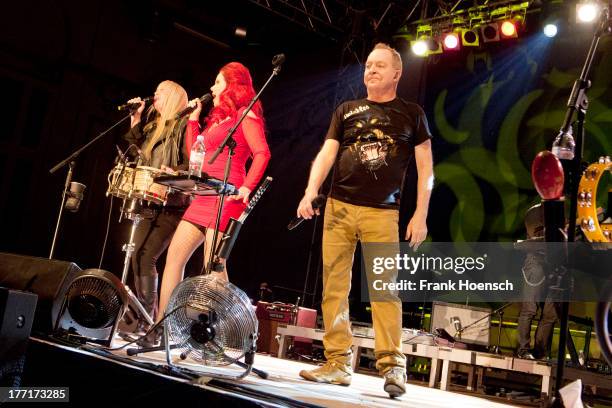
(214, 263)
(577, 103)
(71, 160)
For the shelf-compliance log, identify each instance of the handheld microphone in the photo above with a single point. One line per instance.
(133, 105)
(204, 99)
(316, 203)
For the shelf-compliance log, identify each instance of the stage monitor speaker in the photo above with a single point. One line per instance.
(16, 317)
(451, 317)
(48, 278)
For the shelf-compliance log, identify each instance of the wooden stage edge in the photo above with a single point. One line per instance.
(113, 377)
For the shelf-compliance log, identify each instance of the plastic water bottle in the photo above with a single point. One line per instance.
(196, 158)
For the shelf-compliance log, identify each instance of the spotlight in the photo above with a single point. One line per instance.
(490, 32)
(469, 38)
(451, 41)
(550, 30)
(508, 29)
(434, 46)
(419, 48)
(586, 12)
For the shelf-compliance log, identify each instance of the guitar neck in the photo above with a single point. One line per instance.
(262, 189)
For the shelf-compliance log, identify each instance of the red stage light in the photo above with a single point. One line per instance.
(508, 29)
(547, 175)
(451, 41)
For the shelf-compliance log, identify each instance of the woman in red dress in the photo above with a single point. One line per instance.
(232, 92)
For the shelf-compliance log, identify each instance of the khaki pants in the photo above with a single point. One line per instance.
(344, 225)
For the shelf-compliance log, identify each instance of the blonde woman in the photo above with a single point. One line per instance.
(162, 144)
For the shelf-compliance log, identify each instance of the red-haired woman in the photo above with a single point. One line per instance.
(232, 92)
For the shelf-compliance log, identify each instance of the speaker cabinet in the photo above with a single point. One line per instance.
(444, 315)
(16, 318)
(48, 278)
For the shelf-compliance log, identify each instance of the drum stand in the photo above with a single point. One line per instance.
(133, 214)
(128, 248)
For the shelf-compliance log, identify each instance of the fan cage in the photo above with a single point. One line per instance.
(235, 328)
(93, 302)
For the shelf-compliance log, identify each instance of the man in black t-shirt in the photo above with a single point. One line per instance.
(370, 143)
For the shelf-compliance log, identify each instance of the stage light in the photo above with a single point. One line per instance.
(550, 30)
(490, 32)
(434, 46)
(419, 47)
(508, 29)
(451, 41)
(586, 12)
(469, 38)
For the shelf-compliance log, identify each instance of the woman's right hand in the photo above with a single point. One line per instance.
(195, 114)
(137, 112)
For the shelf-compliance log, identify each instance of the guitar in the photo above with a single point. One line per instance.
(233, 227)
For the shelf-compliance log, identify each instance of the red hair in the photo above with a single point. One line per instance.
(237, 94)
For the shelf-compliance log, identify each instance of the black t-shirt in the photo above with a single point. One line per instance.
(376, 145)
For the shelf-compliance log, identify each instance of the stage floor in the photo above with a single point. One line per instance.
(365, 390)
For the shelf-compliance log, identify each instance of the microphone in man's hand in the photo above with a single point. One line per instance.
(316, 203)
(133, 105)
(204, 99)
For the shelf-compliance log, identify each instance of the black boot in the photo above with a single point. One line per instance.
(147, 294)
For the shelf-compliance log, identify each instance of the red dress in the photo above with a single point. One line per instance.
(250, 141)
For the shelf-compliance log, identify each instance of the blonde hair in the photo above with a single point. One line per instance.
(397, 59)
(165, 122)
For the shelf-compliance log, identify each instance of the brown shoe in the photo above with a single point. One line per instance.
(331, 373)
(395, 381)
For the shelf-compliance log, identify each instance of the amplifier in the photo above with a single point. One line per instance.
(270, 315)
(278, 312)
(452, 317)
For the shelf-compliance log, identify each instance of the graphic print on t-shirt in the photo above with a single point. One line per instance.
(377, 142)
(371, 143)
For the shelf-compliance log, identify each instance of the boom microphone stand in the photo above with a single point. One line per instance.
(71, 160)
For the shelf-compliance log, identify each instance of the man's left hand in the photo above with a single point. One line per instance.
(416, 231)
